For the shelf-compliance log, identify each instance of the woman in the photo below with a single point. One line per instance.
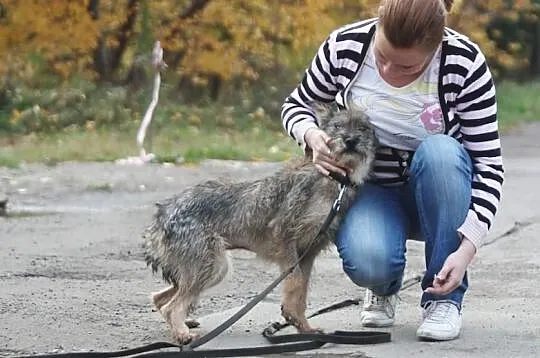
(438, 173)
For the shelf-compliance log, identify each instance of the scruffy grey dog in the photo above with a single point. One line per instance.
(276, 217)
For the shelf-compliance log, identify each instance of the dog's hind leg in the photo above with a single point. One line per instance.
(293, 307)
(162, 297)
(175, 314)
(201, 275)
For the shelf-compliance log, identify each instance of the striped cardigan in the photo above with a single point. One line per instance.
(467, 98)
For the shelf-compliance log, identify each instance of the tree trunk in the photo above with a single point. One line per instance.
(125, 34)
(535, 53)
(108, 60)
(195, 7)
(100, 54)
(93, 9)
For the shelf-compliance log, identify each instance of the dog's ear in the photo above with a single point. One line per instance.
(323, 111)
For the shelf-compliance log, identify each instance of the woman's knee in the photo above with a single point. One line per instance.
(371, 263)
(440, 155)
(366, 275)
(371, 238)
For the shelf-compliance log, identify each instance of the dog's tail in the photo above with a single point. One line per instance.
(153, 248)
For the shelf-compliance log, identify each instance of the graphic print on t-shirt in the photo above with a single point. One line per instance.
(402, 116)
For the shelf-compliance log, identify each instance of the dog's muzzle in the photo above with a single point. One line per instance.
(351, 143)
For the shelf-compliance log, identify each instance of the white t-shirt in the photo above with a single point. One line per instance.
(404, 116)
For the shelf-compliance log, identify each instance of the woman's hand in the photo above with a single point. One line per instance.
(317, 140)
(453, 270)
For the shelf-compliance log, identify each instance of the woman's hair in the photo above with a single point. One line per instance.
(408, 23)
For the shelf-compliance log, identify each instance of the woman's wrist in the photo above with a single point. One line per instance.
(467, 248)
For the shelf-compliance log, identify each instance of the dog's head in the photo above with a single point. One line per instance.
(353, 141)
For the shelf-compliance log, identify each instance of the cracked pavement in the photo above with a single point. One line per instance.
(72, 276)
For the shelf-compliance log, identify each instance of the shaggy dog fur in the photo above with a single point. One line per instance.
(277, 217)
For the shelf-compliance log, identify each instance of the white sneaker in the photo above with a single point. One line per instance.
(442, 322)
(378, 311)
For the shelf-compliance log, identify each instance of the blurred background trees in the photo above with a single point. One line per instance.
(218, 51)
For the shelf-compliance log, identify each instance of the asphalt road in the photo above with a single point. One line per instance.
(72, 276)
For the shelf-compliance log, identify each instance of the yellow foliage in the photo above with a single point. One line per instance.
(472, 18)
(224, 38)
(60, 31)
(240, 37)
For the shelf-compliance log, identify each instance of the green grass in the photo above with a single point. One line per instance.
(8, 159)
(182, 134)
(517, 103)
(105, 187)
(170, 144)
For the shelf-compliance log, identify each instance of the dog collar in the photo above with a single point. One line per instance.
(341, 179)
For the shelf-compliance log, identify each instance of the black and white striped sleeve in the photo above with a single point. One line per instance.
(476, 106)
(318, 85)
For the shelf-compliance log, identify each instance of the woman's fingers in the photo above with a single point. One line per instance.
(322, 169)
(323, 158)
(445, 281)
(321, 147)
(325, 168)
(444, 287)
(327, 164)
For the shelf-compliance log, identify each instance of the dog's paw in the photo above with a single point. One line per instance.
(184, 337)
(310, 329)
(301, 324)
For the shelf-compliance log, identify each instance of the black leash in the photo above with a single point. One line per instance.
(231, 320)
(276, 326)
(280, 343)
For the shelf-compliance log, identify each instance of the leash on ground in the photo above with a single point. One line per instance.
(273, 328)
(284, 343)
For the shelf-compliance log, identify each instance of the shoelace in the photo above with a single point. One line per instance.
(381, 300)
(437, 312)
(382, 303)
(378, 300)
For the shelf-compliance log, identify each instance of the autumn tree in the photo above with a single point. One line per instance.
(215, 41)
(116, 22)
(61, 32)
(507, 30)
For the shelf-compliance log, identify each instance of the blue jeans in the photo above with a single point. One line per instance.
(431, 205)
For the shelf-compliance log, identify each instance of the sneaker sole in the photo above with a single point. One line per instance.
(431, 338)
(377, 324)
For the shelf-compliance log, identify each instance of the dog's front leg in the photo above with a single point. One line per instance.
(294, 302)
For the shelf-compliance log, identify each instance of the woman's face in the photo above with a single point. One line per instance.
(399, 66)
